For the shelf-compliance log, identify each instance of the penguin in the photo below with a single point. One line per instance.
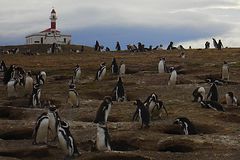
(122, 68)
(225, 71)
(199, 94)
(231, 100)
(215, 44)
(186, 125)
(36, 95)
(104, 110)
(29, 84)
(41, 77)
(213, 105)
(161, 66)
(118, 91)
(73, 97)
(101, 71)
(213, 92)
(53, 119)
(153, 103)
(114, 66)
(173, 77)
(40, 133)
(103, 138)
(9, 74)
(11, 87)
(143, 113)
(3, 69)
(182, 55)
(77, 73)
(67, 141)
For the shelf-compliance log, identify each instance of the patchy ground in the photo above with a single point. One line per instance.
(218, 132)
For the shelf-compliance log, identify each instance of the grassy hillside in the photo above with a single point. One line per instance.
(218, 132)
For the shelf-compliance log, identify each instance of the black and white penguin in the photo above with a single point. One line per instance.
(118, 91)
(199, 94)
(53, 119)
(143, 114)
(29, 84)
(77, 73)
(162, 65)
(122, 68)
(40, 133)
(231, 100)
(114, 66)
(212, 105)
(186, 125)
(36, 95)
(9, 74)
(103, 138)
(213, 92)
(152, 103)
(73, 97)
(215, 44)
(225, 71)
(41, 77)
(173, 76)
(104, 110)
(11, 87)
(101, 71)
(67, 141)
(3, 69)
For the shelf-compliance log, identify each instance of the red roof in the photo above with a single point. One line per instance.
(53, 11)
(48, 30)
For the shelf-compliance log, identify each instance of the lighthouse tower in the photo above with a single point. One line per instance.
(53, 18)
(50, 35)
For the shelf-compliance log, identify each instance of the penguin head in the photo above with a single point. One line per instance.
(108, 100)
(77, 66)
(230, 94)
(29, 73)
(119, 79)
(138, 102)
(64, 124)
(225, 62)
(181, 120)
(177, 121)
(153, 97)
(171, 69)
(103, 64)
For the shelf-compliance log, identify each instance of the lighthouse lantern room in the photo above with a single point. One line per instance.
(50, 35)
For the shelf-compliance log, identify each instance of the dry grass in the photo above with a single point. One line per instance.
(218, 132)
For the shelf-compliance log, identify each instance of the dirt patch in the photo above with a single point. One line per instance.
(229, 118)
(181, 146)
(119, 157)
(122, 145)
(17, 134)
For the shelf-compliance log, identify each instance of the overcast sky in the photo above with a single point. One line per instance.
(187, 22)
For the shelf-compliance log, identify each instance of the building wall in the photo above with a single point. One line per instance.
(48, 38)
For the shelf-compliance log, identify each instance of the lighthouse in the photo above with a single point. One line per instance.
(53, 18)
(50, 35)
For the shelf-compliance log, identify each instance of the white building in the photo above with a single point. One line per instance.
(50, 35)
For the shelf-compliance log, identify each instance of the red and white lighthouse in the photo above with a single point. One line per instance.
(53, 19)
(50, 35)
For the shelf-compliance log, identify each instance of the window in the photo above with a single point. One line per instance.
(64, 40)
